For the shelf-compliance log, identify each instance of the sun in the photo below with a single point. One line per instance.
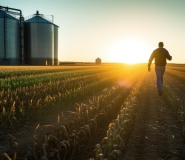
(130, 50)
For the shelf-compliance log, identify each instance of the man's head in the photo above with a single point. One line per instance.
(161, 44)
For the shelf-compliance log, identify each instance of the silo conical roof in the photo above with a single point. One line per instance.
(38, 19)
(4, 14)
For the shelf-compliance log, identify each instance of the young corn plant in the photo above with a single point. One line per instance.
(32, 101)
(64, 144)
(87, 118)
(112, 146)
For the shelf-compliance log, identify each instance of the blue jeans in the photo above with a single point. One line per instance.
(159, 70)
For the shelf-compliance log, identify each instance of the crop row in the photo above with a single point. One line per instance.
(33, 76)
(113, 144)
(15, 72)
(64, 143)
(29, 102)
(30, 80)
(23, 71)
(177, 68)
(180, 76)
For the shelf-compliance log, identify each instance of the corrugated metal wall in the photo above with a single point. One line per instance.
(9, 40)
(41, 41)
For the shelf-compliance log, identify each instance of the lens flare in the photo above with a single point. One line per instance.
(124, 83)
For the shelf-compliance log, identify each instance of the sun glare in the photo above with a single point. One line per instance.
(130, 50)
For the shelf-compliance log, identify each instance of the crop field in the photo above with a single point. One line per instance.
(95, 112)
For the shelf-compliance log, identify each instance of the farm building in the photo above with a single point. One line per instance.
(98, 60)
(10, 33)
(33, 41)
(42, 31)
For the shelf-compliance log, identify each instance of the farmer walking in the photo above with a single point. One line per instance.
(160, 54)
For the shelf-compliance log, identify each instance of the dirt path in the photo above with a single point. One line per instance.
(156, 133)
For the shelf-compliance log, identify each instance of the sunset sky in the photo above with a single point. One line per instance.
(114, 30)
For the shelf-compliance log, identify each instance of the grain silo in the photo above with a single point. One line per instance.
(98, 61)
(56, 62)
(10, 41)
(41, 41)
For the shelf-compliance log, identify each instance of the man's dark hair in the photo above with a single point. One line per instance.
(161, 44)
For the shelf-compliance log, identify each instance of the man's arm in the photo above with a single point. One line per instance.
(150, 60)
(168, 56)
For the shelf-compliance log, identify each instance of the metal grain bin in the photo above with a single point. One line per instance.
(56, 62)
(98, 60)
(39, 41)
(9, 39)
